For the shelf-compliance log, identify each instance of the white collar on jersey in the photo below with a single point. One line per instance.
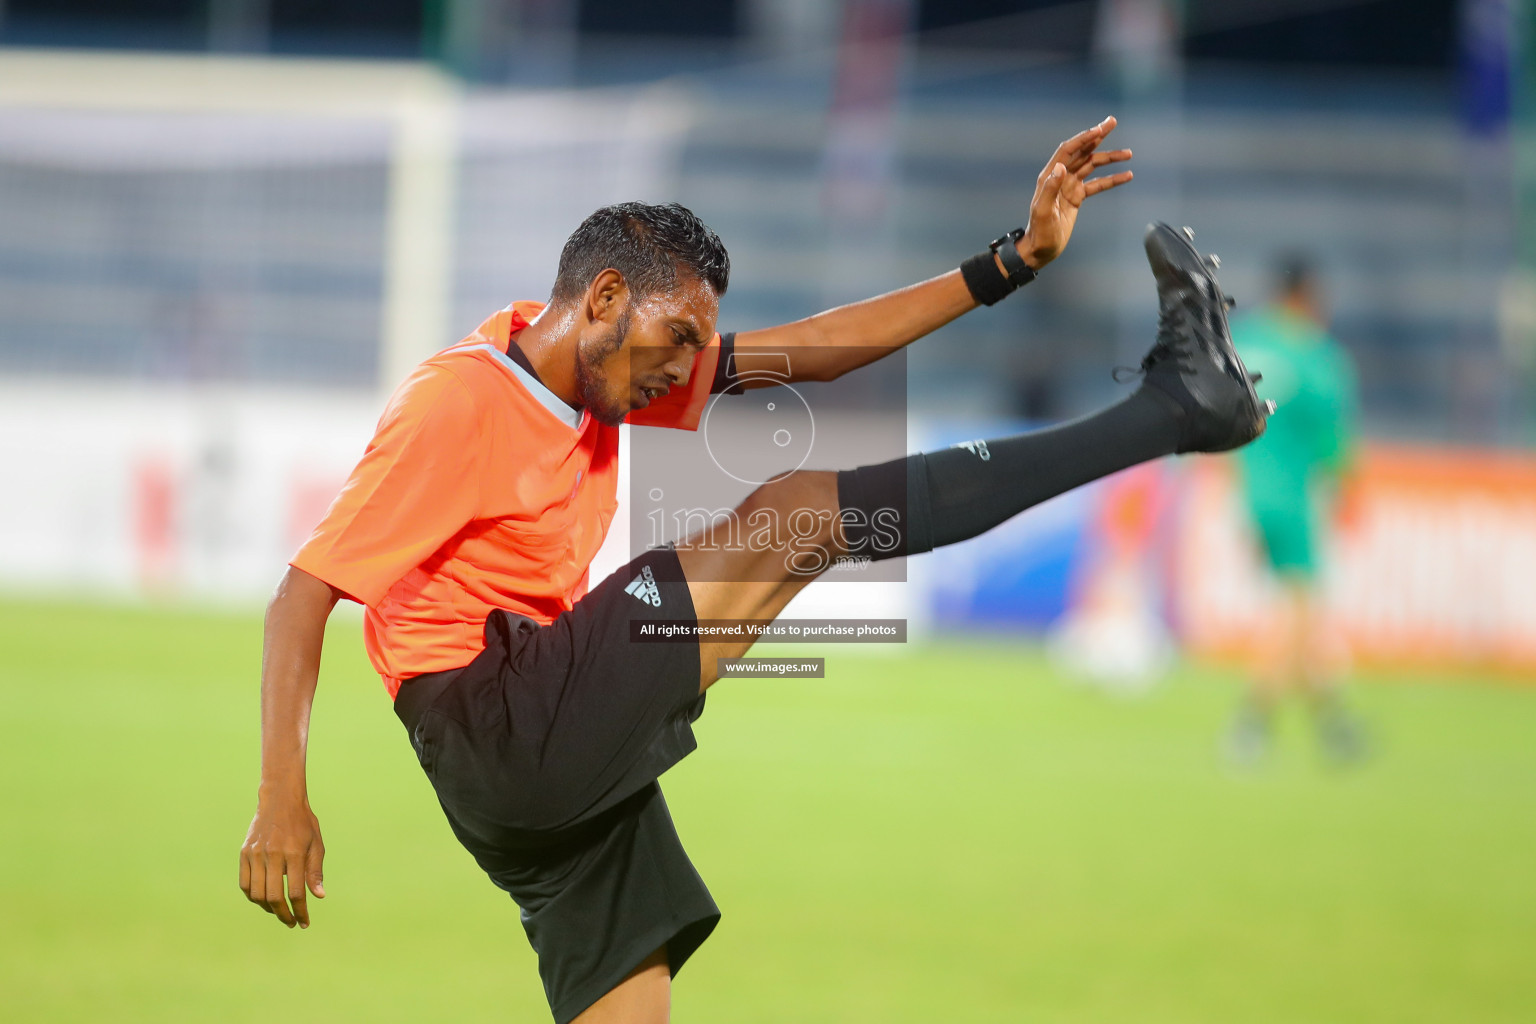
(535, 387)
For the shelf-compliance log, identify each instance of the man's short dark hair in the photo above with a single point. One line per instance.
(652, 246)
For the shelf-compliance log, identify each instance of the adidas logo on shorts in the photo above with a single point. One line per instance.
(644, 588)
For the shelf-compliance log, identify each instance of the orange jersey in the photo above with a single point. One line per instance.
(480, 490)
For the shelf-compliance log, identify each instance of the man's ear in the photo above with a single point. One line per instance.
(607, 296)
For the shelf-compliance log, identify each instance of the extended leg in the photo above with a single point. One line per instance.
(1196, 396)
(908, 506)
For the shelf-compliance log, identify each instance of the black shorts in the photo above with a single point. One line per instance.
(544, 752)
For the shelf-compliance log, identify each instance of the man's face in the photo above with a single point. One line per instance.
(646, 351)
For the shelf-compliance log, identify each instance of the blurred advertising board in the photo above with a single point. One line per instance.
(163, 491)
(1436, 567)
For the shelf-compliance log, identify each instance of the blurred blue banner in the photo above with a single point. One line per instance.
(1486, 58)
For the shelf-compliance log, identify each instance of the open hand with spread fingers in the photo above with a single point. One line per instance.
(1062, 187)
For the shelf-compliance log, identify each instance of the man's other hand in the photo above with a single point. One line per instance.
(283, 842)
(1061, 188)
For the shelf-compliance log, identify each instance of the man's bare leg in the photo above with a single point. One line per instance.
(1299, 653)
(643, 997)
(1320, 670)
(766, 583)
(1282, 649)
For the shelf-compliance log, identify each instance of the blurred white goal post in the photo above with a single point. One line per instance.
(418, 102)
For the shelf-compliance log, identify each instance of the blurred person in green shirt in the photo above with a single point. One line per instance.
(1295, 482)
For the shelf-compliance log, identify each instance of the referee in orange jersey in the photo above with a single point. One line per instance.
(467, 529)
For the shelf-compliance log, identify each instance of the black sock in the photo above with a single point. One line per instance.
(925, 501)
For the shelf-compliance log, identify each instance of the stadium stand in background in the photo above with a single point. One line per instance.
(251, 249)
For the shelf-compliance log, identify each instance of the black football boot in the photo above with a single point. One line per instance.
(1193, 359)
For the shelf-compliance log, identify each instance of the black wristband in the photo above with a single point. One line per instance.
(982, 279)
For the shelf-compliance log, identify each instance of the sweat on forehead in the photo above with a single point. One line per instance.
(689, 299)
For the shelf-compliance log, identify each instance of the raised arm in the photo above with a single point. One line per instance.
(829, 344)
(284, 838)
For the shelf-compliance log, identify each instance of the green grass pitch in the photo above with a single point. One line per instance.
(948, 834)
